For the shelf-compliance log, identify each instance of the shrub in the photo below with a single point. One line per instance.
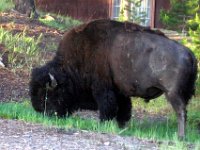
(193, 42)
(59, 22)
(129, 11)
(195, 36)
(6, 5)
(21, 47)
(180, 12)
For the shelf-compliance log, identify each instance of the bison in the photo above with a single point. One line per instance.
(101, 64)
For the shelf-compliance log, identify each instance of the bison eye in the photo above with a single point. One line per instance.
(49, 86)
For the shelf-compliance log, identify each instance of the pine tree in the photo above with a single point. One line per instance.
(194, 34)
(26, 7)
(179, 13)
(129, 11)
(185, 15)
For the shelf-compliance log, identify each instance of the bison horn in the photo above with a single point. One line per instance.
(53, 81)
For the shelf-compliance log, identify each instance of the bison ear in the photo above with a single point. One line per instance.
(53, 83)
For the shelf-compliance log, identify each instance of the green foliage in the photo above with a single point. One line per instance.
(6, 5)
(156, 106)
(24, 111)
(193, 41)
(19, 45)
(194, 33)
(171, 18)
(177, 145)
(198, 86)
(181, 10)
(59, 22)
(132, 14)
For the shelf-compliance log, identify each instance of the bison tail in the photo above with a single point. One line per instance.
(189, 85)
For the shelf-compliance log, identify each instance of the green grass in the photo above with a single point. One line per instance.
(6, 5)
(59, 22)
(157, 106)
(20, 45)
(23, 111)
(143, 128)
(198, 85)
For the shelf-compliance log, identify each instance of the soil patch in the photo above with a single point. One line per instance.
(14, 81)
(21, 135)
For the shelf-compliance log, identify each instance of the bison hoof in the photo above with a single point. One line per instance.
(122, 124)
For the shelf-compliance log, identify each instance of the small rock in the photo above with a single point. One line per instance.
(1, 64)
(106, 143)
(48, 18)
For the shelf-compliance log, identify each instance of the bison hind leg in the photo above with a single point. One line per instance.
(179, 106)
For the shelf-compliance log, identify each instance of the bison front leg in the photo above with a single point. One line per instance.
(180, 108)
(124, 111)
(107, 104)
(62, 112)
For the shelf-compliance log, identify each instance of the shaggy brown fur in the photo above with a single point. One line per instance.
(102, 63)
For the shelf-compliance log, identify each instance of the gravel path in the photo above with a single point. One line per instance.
(19, 135)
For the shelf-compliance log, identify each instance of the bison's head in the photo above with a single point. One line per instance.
(52, 91)
(47, 92)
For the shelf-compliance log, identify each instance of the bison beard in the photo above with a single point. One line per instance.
(99, 65)
(52, 91)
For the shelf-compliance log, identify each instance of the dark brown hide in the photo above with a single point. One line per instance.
(110, 61)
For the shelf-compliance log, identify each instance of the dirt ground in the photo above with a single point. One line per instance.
(18, 135)
(14, 81)
(14, 87)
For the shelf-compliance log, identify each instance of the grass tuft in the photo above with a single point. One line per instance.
(164, 130)
(20, 45)
(59, 22)
(6, 5)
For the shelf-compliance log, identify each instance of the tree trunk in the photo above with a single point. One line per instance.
(26, 7)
